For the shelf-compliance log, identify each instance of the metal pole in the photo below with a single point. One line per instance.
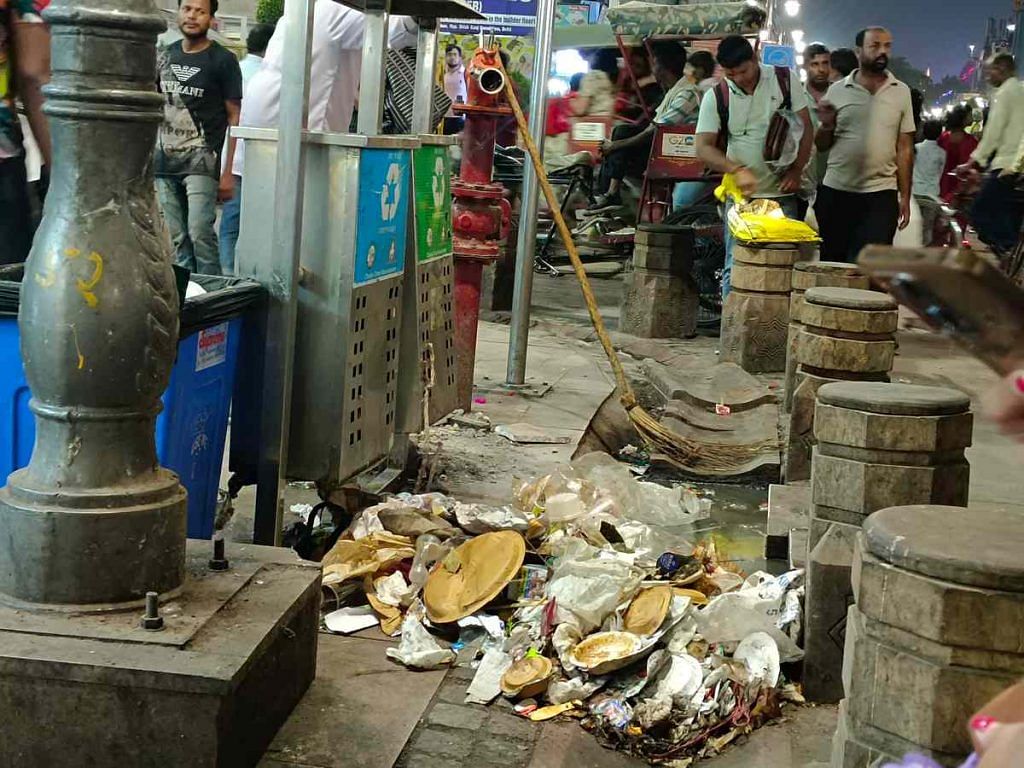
(282, 310)
(1018, 34)
(426, 62)
(526, 244)
(371, 76)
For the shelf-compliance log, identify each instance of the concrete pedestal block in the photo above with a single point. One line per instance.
(755, 316)
(237, 652)
(857, 745)
(659, 305)
(843, 335)
(935, 632)
(828, 575)
(754, 327)
(878, 444)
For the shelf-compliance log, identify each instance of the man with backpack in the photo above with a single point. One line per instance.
(868, 129)
(744, 122)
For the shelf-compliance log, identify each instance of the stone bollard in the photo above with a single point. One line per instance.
(847, 334)
(660, 299)
(878, 445)
(755, 316)
(807, 275)
(935, 632)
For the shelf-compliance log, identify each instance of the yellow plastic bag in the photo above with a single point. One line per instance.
(760, 221)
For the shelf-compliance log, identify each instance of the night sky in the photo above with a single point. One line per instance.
(930, 33)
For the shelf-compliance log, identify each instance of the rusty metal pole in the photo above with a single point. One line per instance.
(93, 520)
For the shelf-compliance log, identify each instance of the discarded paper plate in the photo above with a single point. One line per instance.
(527, 678)
(698, 598)
(648, 610)
(760, 654)
(472, 575)
(605, 652)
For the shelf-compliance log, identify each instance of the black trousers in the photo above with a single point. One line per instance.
(16, 225)
(624, 162)
(848, 221)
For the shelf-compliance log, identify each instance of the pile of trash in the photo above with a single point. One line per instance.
(583, 597)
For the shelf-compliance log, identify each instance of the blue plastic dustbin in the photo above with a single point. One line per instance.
(192, 429)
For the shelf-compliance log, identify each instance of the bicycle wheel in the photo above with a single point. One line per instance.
(708, 259)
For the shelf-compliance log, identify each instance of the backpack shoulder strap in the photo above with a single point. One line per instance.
(722, 102)
(782, 75)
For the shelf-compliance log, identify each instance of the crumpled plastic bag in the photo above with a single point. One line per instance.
(418, 648)
(754, 607)
(652, 711)
(393, 590)
(590, 590)
(678, 680)
(480, 518)
(574, 689)
(348, 559)
(564, 639)
(760, 221)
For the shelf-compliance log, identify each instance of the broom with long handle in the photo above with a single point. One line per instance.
(676, 448)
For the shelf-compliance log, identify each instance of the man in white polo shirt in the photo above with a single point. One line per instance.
(750, 95)
(867, 126)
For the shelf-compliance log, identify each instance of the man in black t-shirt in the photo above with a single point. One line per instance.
(202, 85)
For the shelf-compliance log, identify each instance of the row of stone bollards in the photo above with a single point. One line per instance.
(914, 604)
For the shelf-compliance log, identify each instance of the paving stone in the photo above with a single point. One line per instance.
(453, 691)
(453, 716)
(464, 673)
(763, 279)
(829, 593)
(509, 754)
(513, 727)
(708, 386)
(439, 741)
(789, 507)
(422, 760)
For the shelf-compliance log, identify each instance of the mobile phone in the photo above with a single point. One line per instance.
(958, 293)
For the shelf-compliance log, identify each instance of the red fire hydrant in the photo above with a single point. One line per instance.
(480, 211)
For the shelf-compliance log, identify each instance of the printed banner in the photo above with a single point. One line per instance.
(383, 212)
(432, 177)
(504, 17)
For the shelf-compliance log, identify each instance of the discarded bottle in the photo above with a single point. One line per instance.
(429, 550)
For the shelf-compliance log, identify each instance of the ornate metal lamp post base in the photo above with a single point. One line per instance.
(93, 520)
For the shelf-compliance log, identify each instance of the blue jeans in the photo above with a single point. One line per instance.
(230, 217)
(790, 205)
(686, 193)
(189, 204)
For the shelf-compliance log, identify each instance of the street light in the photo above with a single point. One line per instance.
(972, 47)
(799, 59)
(1011, 27)
(800, 47)
(797, 35)
(792, 7)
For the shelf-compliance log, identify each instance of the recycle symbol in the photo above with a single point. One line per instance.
(390, 193)
(437, 182)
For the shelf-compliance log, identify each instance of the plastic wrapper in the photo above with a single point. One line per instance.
(678, 680)
(760, 655)
(761, 221)
(393, 590)
(574, 689)
(418, 648)
(348, 559)
(480, 518)
(615, 712)
(754, 607)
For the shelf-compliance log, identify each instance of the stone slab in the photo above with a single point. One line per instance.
(833, 353)
(982, 548)
(782, 255)
(762, 279)
(877, 432)
(865, 488)
(676, 259)
(896, 399)
(824, 274)
(896, 690)
(850, 298)
(789, 508)
(800, 438)
(799, 547)
(847, 320)
(937, 610)
(754, 329)
(216, 701)
(708, 386)
(829, 593)
(361, 703)
(856, 745)
(659, 306)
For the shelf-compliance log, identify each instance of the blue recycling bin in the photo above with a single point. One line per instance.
(192, 429)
